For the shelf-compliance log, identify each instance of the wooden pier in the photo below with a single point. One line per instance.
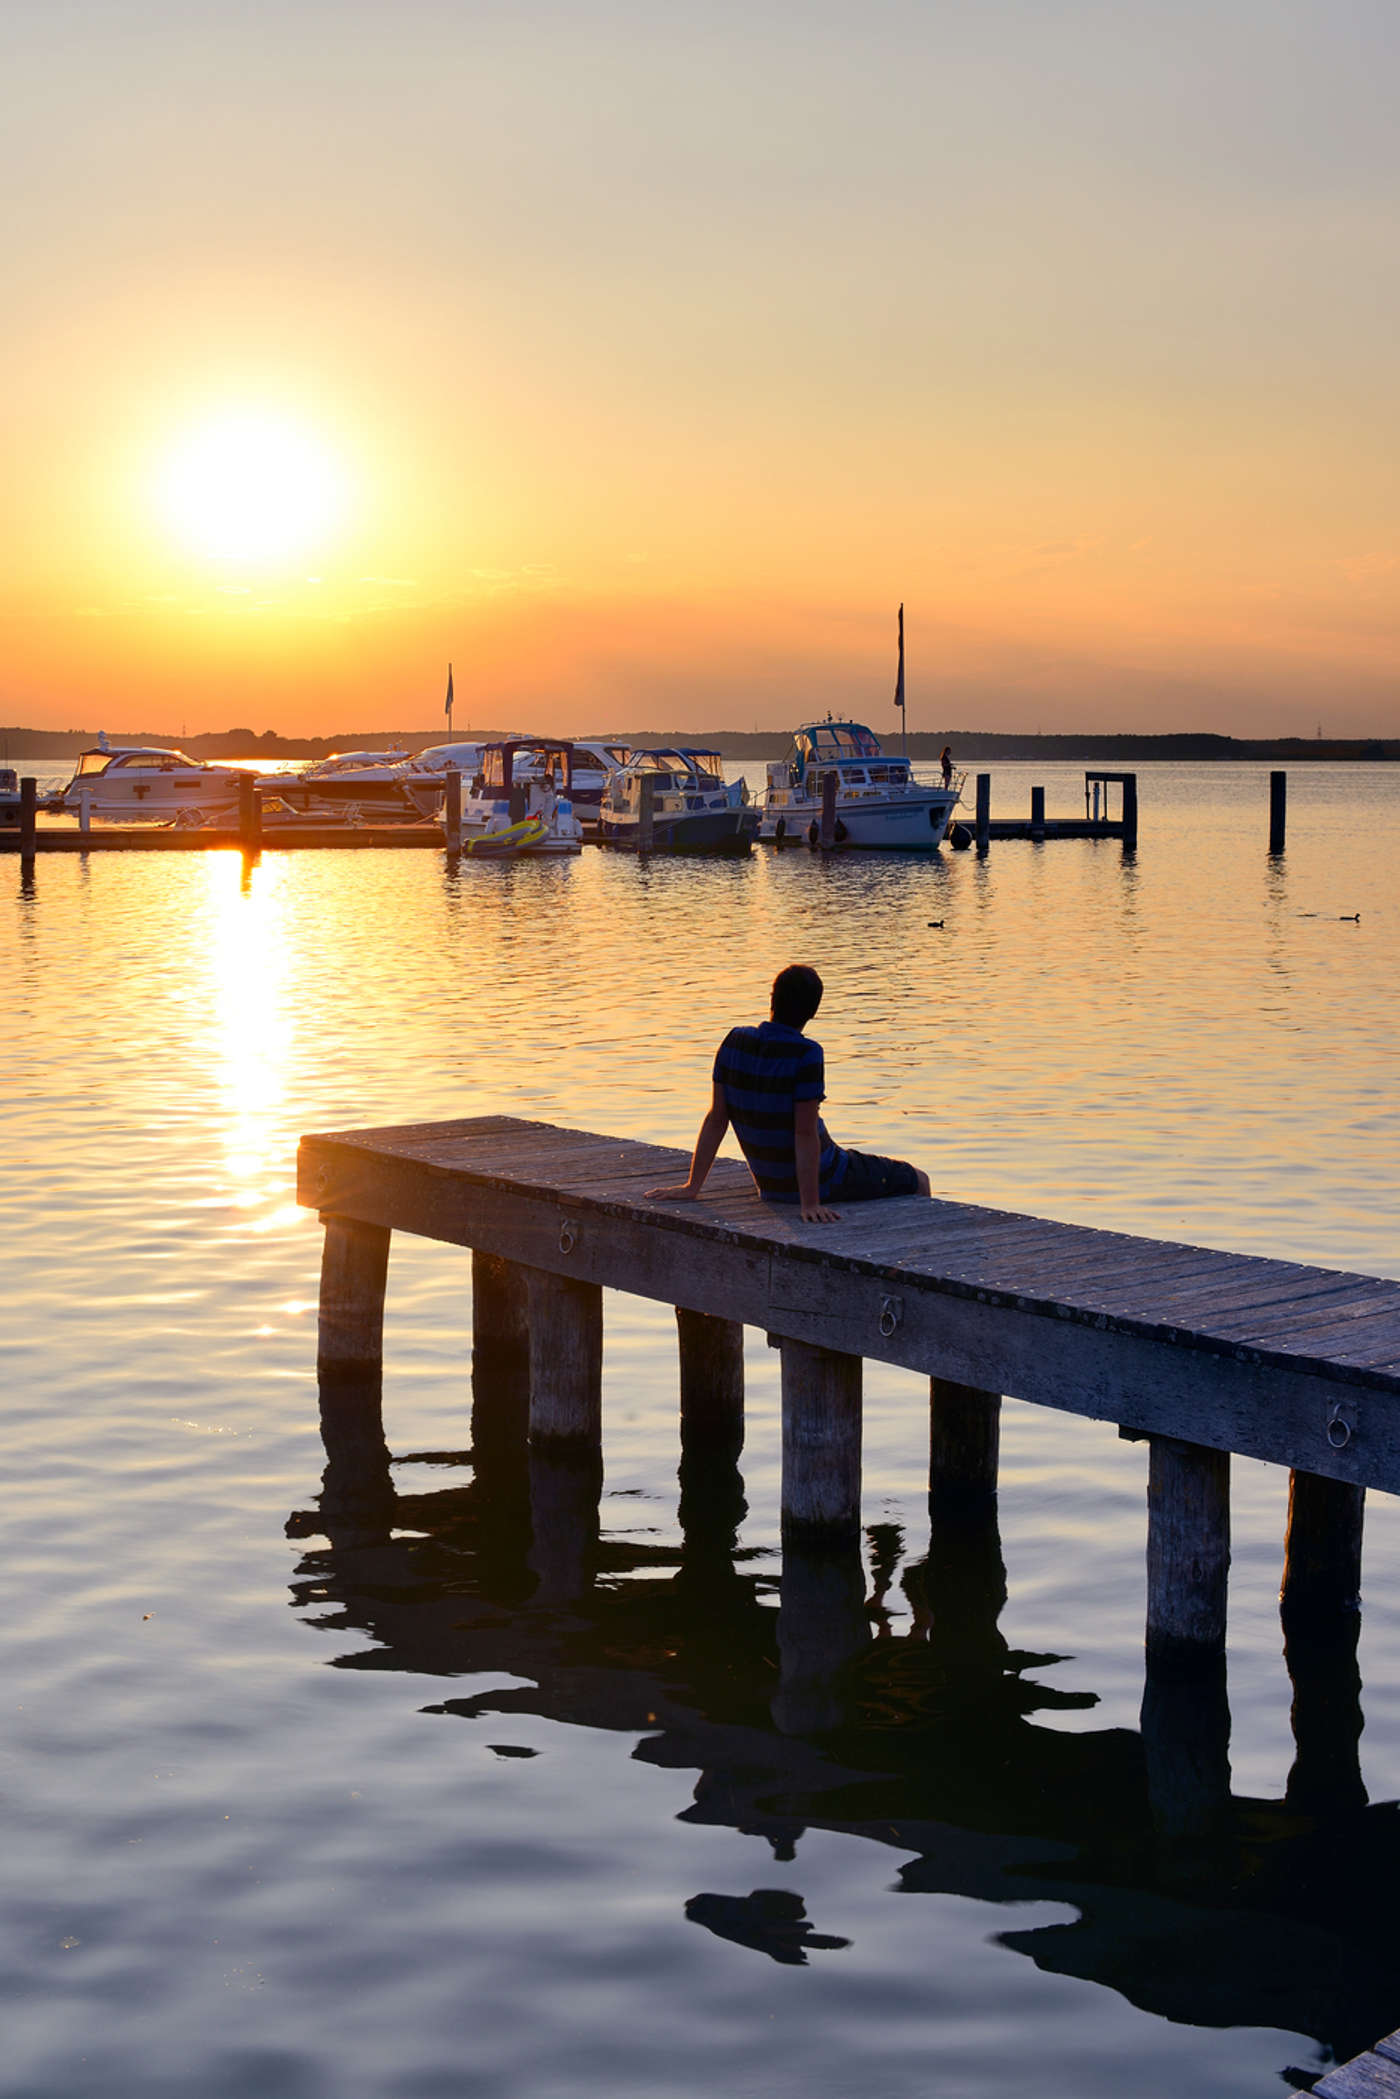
(1203, 1353)
(1374, 2075)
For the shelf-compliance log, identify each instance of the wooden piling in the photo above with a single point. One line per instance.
(712, 1383)
(964, 1442)
(826, 830)
(28, 805)
(984, 811)
(1130, 811)
(1278, 811)
(821, 1440)
(354, 1268)
(85, 810)
(1038, 813)
(566, 1360)
(249, 814)
(452, 809)
(1322, 1549)
(1188, 1550)
(646, 812)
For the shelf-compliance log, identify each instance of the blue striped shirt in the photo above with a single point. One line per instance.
(764, 1072)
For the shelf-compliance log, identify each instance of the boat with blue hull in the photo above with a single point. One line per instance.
(880, 806)
(676, 800)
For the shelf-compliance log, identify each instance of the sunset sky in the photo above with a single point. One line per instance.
(641, 361)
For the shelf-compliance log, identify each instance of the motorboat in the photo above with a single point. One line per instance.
(520, 780)
(595, 760)
(425, 777)
(9, 797)
(879, 803)
(373, 782)
(693, 808)
(146, 783)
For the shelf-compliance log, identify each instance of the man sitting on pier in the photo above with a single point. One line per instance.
(769, 1082)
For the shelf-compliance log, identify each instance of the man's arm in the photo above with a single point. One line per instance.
(807, 1146)
(708, 1142)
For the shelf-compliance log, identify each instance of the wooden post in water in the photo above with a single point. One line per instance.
(85, 809)
(354, 1267)
(1037, 813)
(249, 814)
(1130, 810)
(1320, 1605)
(712, 1384)
(826, 830)
(964, 1441)
(500, 1363)
(984, 811)
(821, 1440)
(28, 804)
(1278, 811)
(646, 812)
(1188, 1550)
(566, 1361)
(452, 809)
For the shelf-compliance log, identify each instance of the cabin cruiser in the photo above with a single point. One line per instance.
(595, 761)
(374, 782)
(425, 777)
(522, 780)
(693, 808)
(146, 782)
(879, 803)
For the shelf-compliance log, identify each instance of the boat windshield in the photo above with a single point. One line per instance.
(709, 763)
(93, 762)
(827, 740)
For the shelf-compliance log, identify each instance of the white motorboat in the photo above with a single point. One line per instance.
(425, 777)
(147, 782)
(693, 808)
(375, 782)
(879, 803)
(519, 779)
(595, 760)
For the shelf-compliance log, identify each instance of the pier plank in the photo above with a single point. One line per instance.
(1222, 1350)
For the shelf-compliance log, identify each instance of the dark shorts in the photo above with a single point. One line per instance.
(867, 1178)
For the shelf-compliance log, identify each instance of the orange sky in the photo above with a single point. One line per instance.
(642, 370)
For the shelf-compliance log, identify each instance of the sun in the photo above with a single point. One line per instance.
(252, 486)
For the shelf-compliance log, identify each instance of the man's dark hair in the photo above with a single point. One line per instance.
(797, 993)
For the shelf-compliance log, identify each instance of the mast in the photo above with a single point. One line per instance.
(899, 693)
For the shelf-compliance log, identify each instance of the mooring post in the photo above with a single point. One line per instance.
(85, 810)
(1037, 813)
(1320, 1606)
(1278, 811)
(826, 831)
(1130, 810)
(500, 1364)
(963, 1445)
(249, 814)
(566, 1360)
(712, 1383)
(646, 812)
(984, 811)
(28, 804)
(821, 1440)
(452, 809)
(354, 1268)
(1188, 1550)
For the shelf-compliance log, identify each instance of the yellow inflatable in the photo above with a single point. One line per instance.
(514, 839)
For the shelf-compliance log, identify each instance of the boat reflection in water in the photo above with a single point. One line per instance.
(1197, 1905)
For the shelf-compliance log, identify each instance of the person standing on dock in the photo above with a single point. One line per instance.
(769, 1082)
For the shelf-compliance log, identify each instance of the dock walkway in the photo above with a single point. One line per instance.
(1200, 1352)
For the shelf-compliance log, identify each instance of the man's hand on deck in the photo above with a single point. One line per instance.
(819, 1214)
(684, 1194)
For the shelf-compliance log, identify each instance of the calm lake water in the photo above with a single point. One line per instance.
(360, 1813)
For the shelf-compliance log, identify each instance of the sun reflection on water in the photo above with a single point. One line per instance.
(254, 1026)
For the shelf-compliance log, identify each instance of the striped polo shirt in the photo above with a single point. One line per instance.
(764, 1072)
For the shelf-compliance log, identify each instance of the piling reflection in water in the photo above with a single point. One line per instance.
(1194, 1903)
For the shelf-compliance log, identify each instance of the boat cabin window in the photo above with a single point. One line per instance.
(854, 773)
(889, 772)
(93, 762)
(707, 763)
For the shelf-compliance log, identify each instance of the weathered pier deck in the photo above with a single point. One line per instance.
(1374, 2075)
(1201, 1352)
(211, 838)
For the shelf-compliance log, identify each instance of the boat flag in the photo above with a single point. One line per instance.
(447, 710)
(899, 681)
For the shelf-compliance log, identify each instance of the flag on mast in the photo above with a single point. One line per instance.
(447, 710)
(899, 681)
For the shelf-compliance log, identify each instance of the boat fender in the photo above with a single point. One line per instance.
(780, 829)
(814, 833)
(840, 834)
(960, 838)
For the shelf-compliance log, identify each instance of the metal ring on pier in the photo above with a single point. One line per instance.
(567, 1237)
(1339, 1429)
(891, 1315)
